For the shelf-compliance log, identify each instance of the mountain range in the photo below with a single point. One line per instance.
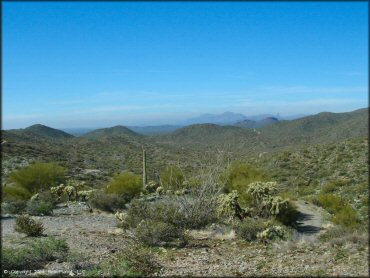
(269, 131)
(119, 148)
(226, 118)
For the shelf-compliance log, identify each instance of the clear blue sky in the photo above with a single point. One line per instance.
(100, 64)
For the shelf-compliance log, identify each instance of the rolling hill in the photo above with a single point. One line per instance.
(111, 132)
(320, 128)
(212, 136)
(41, 131)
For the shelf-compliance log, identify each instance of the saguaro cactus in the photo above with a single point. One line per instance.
(144, 168)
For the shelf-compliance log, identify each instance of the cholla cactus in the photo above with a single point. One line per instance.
(263, 199)
(159, 190)
(180, 192)
(122, 219)
(84, 195)
(259, 190)
(229, 206)
(272, 233)
(70, 191)
(151, 186)
(275, 204)
(57, 191)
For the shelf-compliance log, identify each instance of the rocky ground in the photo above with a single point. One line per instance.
(94, 237)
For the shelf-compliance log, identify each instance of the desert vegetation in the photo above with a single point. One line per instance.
(187, 198)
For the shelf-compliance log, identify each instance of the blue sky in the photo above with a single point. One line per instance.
(98, 64)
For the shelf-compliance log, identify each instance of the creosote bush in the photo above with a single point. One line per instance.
(157, 233)
(39, 207)
(134, 260)
(343, 213)
(126, 185)
(238, 176)
(38, 176)
(27, 225)
(14, 207)
(34, 255)
(172, 178)
(15, 193)
(41, 204)
(106, 202)
(249, 228)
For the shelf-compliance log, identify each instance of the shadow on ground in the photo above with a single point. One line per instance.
(306, 229)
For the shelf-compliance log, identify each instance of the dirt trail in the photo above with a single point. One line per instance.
(309, 222)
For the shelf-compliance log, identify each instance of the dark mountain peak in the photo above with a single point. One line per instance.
(117, 130)
(246, 121)
(270, 119)
(46, 131)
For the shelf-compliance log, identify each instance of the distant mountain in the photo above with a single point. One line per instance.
(212, 136)
(224, 118)
(246, 124)
(42, 131)
(320, 128)
(118, 130)
(271, 133)
(232, 118)
(256, 124)
(150, 130)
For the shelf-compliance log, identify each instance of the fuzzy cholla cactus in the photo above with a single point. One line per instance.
(229, 206)
(263, 200)
(159, 190)
(71, 192)
(122, 219)
(272, 233)
(275, 204)
(57, 191)
(84, 195)
(151, 186)
(259, 190)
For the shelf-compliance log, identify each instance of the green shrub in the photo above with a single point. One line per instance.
(106, 202)
(34, 255)
(249, 228)
(333, 185)
(340, 235)
(27, 225)
(126, 185)
(172, 178)
(14, 207)
(156, 233)
(347, 217)
(330, 202)
(38, 176)
(238, 176)
(12, 193)
(329, 187)
(343, 213)
(186, 212)
(134, 260)
(167, 211)
(39, 207)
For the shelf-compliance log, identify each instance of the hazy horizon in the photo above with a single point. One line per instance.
(180, 123)
(78, 65)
